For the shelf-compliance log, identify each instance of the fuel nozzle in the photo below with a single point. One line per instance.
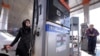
(5, 48)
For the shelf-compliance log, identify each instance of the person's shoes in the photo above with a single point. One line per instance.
(93, 53)
(90, 53)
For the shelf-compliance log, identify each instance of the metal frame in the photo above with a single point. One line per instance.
(37, 26)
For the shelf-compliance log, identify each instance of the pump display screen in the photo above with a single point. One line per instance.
(57, 13)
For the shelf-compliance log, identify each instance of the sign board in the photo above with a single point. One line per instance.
(74, 23)
(61, 42)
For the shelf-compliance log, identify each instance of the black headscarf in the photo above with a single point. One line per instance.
(25, 28)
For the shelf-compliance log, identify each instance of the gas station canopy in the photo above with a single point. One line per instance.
(22, 9)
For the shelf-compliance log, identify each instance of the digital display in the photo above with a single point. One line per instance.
(57, 13)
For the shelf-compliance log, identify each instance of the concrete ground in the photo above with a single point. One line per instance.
(5, 39)
(97, 51)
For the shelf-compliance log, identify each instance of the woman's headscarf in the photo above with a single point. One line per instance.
(25, 28)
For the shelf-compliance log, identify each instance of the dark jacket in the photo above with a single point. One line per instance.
(93, 31)
(24, 37)
(24, 42)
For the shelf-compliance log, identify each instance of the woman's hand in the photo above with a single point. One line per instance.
(8, 47)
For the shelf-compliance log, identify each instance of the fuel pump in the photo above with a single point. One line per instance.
(84, 40)
(51, 28)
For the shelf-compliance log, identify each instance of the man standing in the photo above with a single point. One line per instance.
(92, 34)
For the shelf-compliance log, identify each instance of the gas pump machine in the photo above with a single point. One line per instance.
(84, 40)
(52, 28)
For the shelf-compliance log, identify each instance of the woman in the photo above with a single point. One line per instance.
(24, 35)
